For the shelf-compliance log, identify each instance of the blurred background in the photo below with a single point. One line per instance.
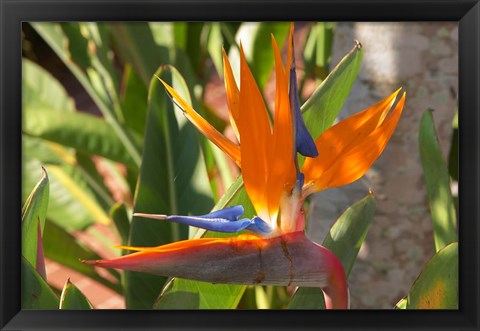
(420, 57)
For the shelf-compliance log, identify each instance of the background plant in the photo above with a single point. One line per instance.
(146, 147)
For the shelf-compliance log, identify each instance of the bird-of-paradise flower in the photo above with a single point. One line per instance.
(278, 252)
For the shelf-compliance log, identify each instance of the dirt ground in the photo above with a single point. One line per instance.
(423, 59)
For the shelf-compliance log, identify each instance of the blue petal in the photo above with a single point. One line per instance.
(303, 140)
(230, 213)
(259, 226)
(213, 224)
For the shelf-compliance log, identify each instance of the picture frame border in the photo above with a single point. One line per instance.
(14, 12)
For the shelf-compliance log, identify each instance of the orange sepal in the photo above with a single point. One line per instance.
(256, 139)
(348, 149)
(226, 145)
(281, 176)
(233, 94)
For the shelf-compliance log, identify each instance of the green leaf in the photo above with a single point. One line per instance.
(402, 304)
(99, 79)
(321, 109)
(214, 46)
(348, 233)
(173, 180)
(307, 298)
(134, 100)
(72, 204)
(199, 295)
(453, 156)
(437, 180)
(119, 215)
(40, 89)
(73, 298)
(87, 133)
(60, 246)
(36, 294)
(344, 240)
(318, 49)
(437, 285)
(33, 218)
(136, 45)
(256, 42)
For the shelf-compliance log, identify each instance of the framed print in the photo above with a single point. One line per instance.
(189, 165)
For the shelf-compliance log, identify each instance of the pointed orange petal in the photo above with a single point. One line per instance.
(281, 175)
(338, 139)
(256, 138)
(233, 94)
(227, 146)
(354, 162)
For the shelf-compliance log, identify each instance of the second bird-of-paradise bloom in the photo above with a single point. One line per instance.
(278, 252)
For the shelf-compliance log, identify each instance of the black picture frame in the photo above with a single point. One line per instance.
(14, 12)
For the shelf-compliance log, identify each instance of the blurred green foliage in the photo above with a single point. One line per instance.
(135, 153)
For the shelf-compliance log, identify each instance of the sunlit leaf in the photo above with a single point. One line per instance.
(437, 180)
(33, 217)
(437, 285)
(73, 298)
(136, 45)
(85, 132)
(72, 204)
(321, 109)
(40, 89)
(99, 79)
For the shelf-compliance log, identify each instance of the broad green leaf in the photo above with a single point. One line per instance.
(344, 240)
(87, 133)
(119, 215)
(73, 298)
(173, 180)
(136, 45)
(307, 298)
(196, 49)
(348, 233)
(134, 100)
(437, 180)
(72, 204)
(33, 217)
(321, 109)
(98, 79)
(40, 89)
(199, 295)
(62, 247)
(437, 285)
(36, 294)
(256, 42)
